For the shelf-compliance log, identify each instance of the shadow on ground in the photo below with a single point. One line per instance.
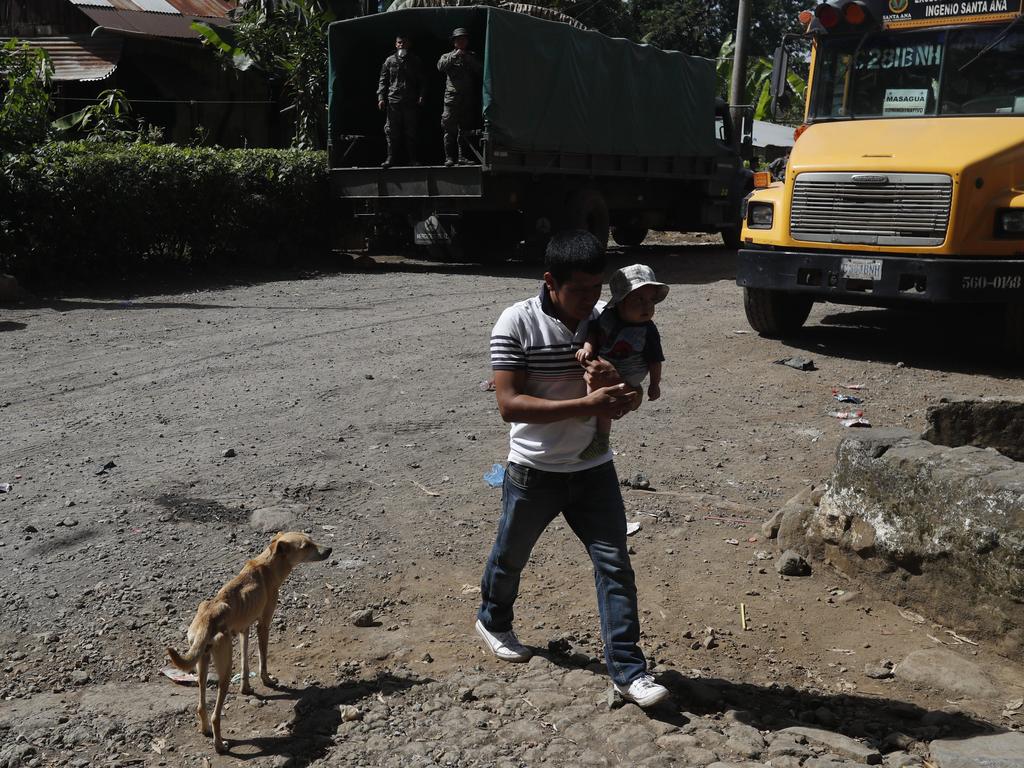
(776, 707)
(316, 719)
(680, 264)
(952, 339)
(9, 325)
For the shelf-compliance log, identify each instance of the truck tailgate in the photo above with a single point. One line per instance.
(426, 181)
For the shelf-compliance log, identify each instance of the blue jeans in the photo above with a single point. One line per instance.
(592, 505)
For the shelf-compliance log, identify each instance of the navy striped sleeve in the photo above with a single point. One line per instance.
(506, 353)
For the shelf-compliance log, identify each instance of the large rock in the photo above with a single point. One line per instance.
(998, 750)
(837, 743)
(946, 671)
(920, 521)
(984, 423)
(277, 518)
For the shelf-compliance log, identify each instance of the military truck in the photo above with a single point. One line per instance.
(575, 129)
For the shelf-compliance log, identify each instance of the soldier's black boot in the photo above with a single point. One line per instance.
(449, 162)
(387, 162)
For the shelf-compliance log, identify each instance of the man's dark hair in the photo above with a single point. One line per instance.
(573, 251)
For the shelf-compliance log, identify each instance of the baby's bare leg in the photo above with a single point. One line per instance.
(599, 445)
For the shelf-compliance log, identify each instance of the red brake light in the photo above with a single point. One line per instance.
(827, 15)
(854, 13)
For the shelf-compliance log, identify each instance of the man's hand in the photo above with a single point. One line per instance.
(380, 104)
(600, 373)
(612, 402)
(654, 391)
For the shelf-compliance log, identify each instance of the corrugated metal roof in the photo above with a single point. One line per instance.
(208, 8)
(79, 57)
(148, 23)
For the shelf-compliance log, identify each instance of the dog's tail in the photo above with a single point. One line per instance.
(201, 642)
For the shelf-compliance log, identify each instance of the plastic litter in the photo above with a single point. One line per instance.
(854, 387)
(860, 421)
(496, 476)
(851, 399)
(799, 363)
(632, 528)
(846, 414)
(5, 487)
(487, 385)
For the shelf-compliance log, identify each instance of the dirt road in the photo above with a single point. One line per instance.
(351, 401)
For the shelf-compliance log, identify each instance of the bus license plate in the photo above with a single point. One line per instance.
(862, 269)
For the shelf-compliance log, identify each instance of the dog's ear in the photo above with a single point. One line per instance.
(275, 542)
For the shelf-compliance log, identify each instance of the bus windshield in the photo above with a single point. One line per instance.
(964, 71)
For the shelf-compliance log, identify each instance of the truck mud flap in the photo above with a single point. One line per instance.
(438, 237)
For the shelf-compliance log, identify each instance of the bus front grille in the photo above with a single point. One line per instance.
(871, 208)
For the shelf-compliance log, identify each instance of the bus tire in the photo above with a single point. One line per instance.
(775, 313)
(629, 235)
(1013, 332)
(732, 237)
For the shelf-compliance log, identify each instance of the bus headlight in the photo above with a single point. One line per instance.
(761, 215)
(1010, 222)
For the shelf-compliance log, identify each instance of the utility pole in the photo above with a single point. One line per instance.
(737, 90)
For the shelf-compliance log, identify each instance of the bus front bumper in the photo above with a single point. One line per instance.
(874, 278)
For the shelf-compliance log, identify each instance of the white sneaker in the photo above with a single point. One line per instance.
(643, 691)
(504, 645)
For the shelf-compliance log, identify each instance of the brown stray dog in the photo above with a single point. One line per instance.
(249, 598)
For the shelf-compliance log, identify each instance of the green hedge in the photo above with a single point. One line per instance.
(70, 211)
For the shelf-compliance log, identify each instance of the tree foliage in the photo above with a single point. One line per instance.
(286, 40)
(24, 96)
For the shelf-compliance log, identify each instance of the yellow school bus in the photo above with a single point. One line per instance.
(906, 182)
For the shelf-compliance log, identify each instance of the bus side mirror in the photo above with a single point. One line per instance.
(780, 71)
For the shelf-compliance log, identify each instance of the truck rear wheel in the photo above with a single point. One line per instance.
(775, 313)
(629, 235)
(587, 209)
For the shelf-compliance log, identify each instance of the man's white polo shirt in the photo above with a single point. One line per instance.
(529, 336)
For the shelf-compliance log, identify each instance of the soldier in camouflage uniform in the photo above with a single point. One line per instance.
(463, 70)
(401, 90)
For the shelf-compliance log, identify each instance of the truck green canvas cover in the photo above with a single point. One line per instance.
(547, 87)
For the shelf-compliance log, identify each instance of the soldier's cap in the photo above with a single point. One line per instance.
(460, 32)
(628, 279)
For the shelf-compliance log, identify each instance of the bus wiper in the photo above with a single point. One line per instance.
(999, 39)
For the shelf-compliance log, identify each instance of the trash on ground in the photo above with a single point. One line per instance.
(471, 589)
(734, 542)
(799, 363)
(5, 487)
(187, 678)
(854, 387)
(846, 414)
(637, 481)
(917, 618)
(496, 476)
(960, 638)
(852, 399)
(237, 677)
(487, 385)
(860, 421)
(427, 490)
(632, 528)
